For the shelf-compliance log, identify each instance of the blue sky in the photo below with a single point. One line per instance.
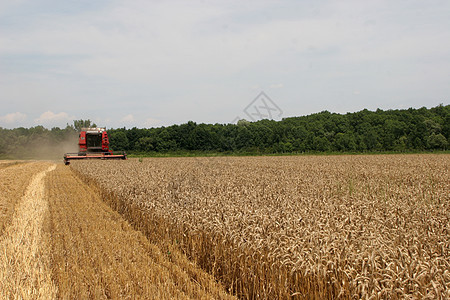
(157, 63)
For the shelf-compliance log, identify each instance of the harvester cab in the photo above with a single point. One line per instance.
(93, 144)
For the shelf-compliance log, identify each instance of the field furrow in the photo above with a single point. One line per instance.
(25, 262)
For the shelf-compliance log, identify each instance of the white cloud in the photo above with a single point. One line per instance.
(51, 118)
(12, 118)
(150, 122)
(128, 119)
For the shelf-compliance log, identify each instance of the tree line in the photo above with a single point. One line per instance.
(381, 130)
(411, 129)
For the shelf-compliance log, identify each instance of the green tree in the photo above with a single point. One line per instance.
(243, 122)
(437, 141)
(78, 124)
(145, 144)
(345, 142)
(321, 144)
(244, 138)
(401, 144)
(118, 140)
(432, 126)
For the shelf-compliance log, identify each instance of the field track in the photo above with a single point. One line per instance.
(60, 241)
(26, 261)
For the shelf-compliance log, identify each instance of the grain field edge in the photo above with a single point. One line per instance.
(97, 254)
(195, 251)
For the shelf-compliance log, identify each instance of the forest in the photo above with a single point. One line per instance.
(401, 130)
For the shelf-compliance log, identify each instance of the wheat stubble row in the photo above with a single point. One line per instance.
(14, 179)
(24, 247)
(96, 254)
(308, 227)
(61, 241)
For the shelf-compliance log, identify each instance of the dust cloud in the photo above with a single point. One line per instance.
(46, 149)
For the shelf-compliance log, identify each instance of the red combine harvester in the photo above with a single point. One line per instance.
(93, 144)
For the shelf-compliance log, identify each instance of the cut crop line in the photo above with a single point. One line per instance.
(25, 271)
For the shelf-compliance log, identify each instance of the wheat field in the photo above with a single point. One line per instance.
(314, 227)
(306, 227)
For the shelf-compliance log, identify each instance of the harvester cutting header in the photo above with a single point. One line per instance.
(93, 144)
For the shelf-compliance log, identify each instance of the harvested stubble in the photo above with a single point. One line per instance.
(14, 179)
(61, 241)
(309, 227)
(24, 246)
(98, 255)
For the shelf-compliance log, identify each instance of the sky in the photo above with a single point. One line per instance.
(157, 63)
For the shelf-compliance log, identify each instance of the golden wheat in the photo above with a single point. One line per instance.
(304, 227)
(61, 241)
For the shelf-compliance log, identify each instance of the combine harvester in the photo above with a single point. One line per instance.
(93, 144)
